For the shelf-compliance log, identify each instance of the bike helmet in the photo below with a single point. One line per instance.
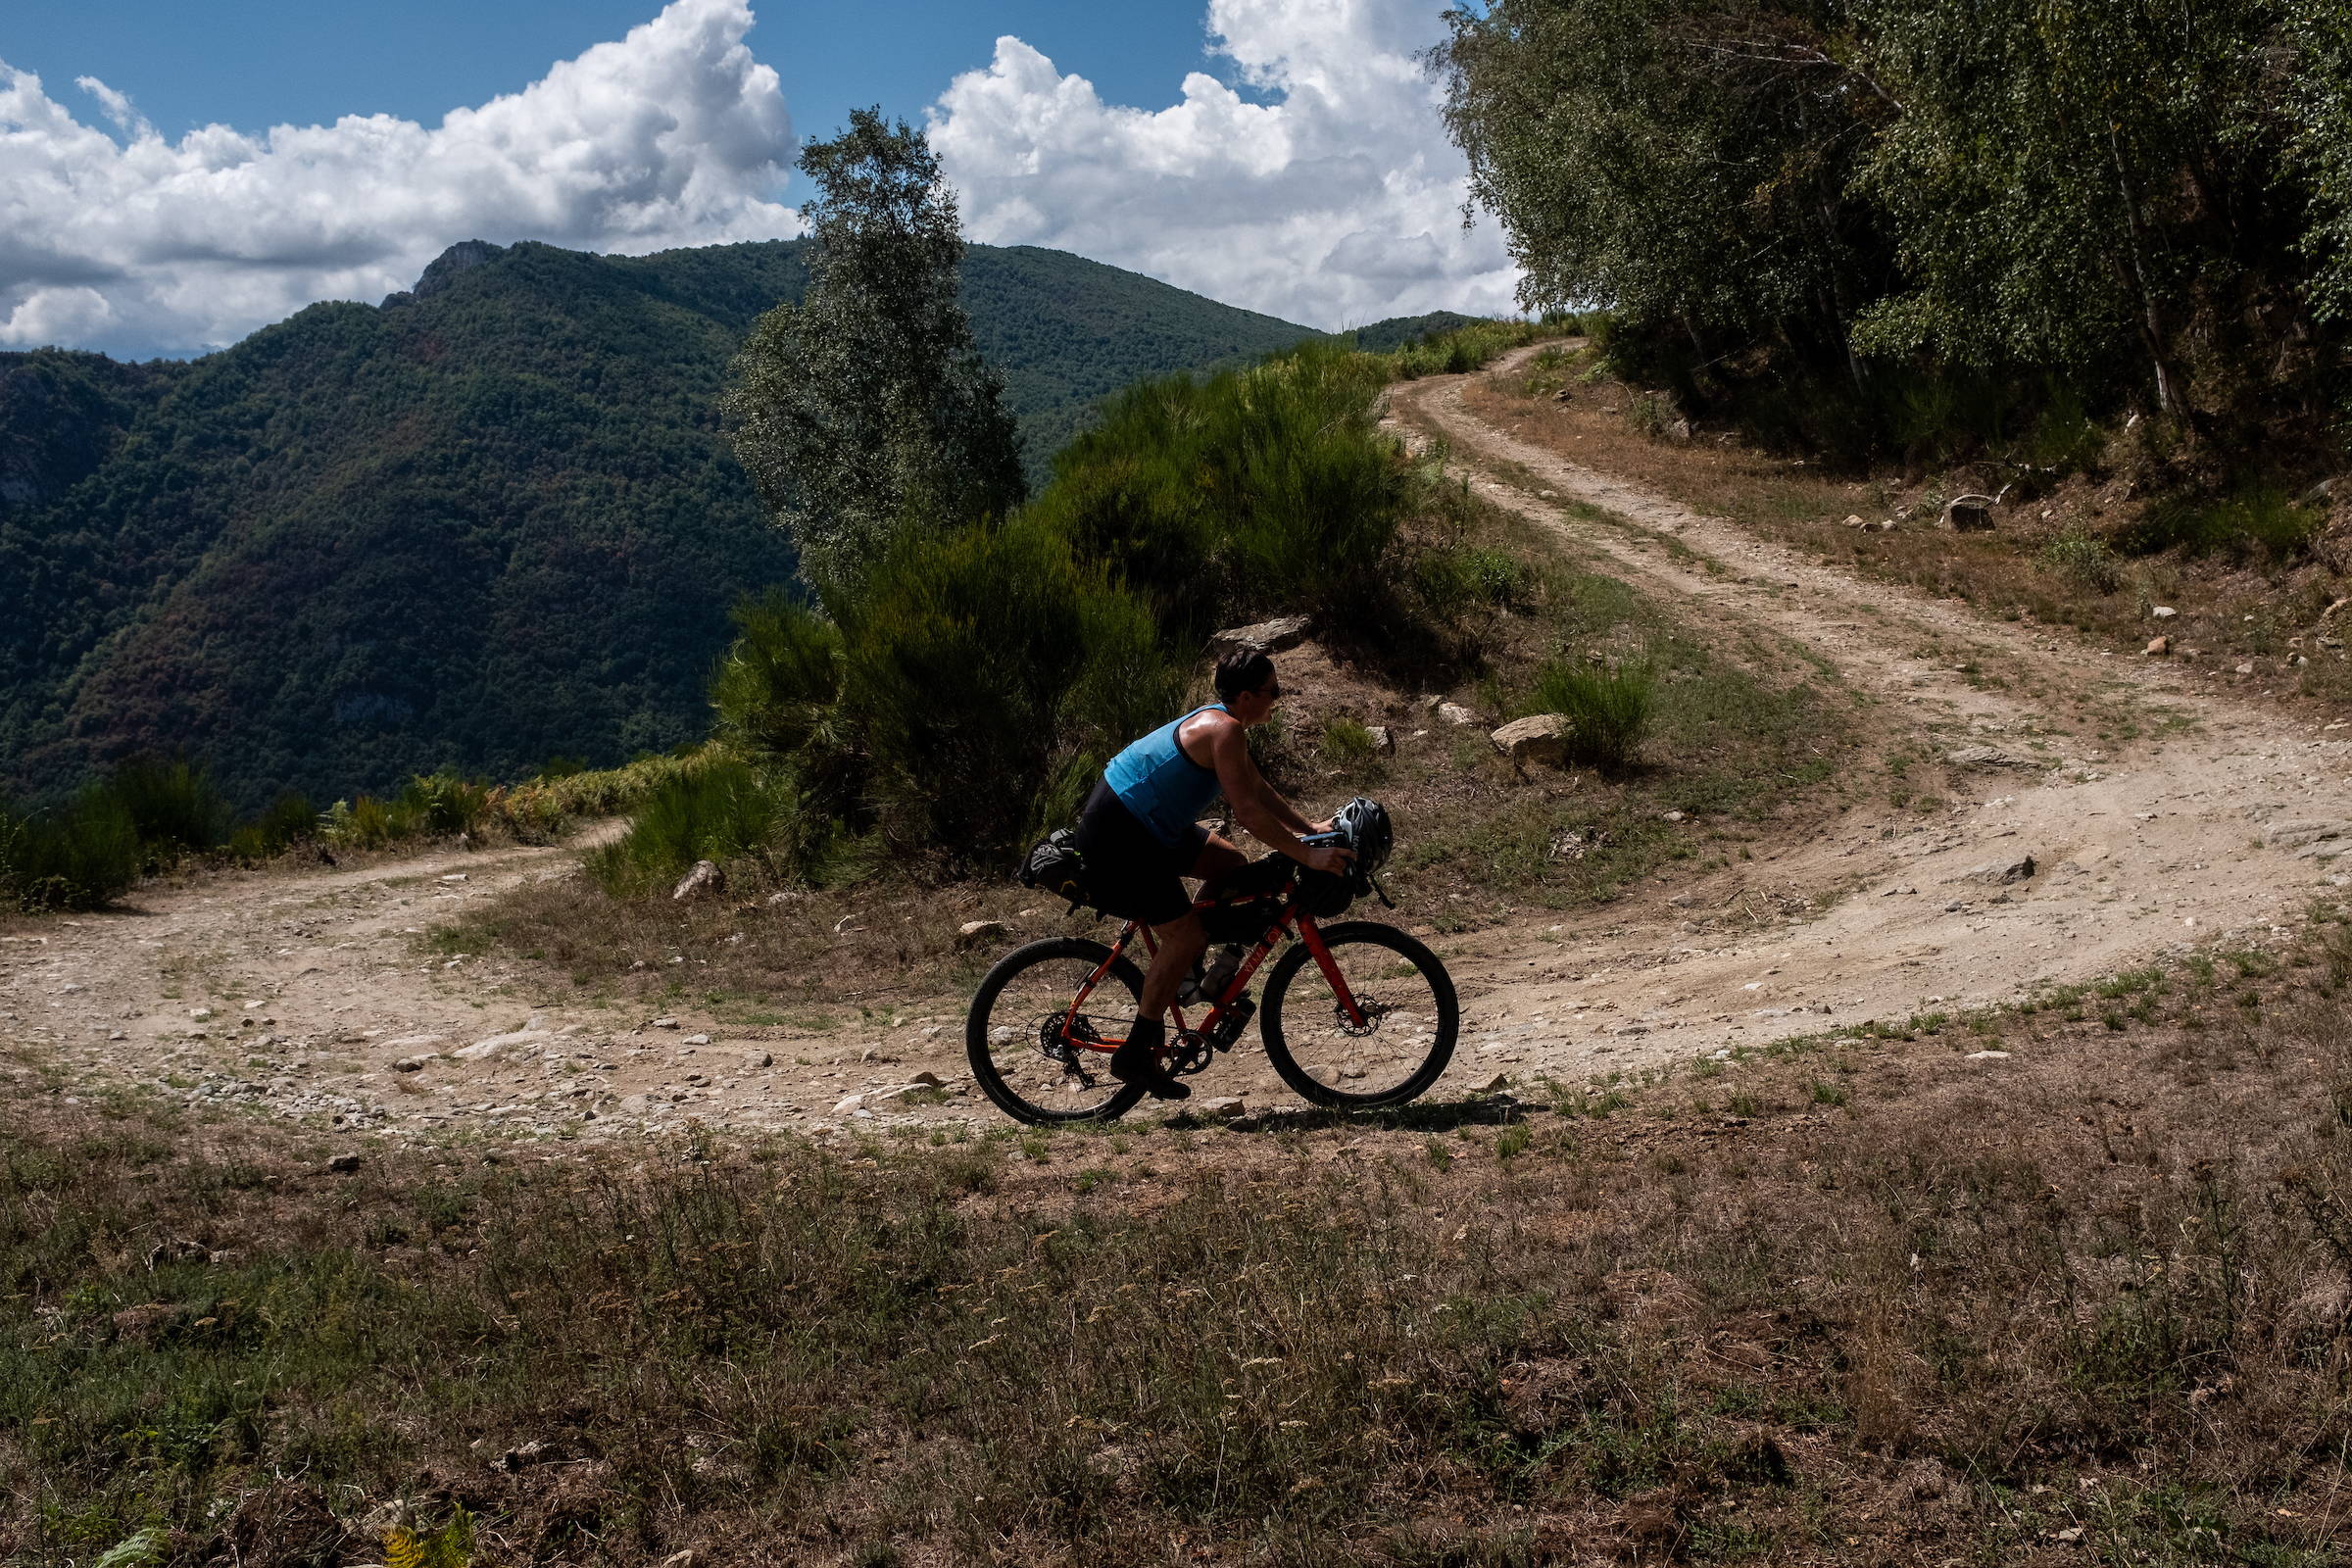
(1363, 827)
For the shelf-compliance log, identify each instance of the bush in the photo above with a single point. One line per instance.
(2083, 558)
(2259, 522)
(725, 812)
(444, 804)
(1609, 708)
(79, 856)
(1347, 743)
(173, 806)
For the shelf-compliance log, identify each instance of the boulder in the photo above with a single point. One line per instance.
(1266, 637)
(704, 878)
(2309, 840)
(1967, 514)
(531, 1034)
(1539, 738)
(1457, 714)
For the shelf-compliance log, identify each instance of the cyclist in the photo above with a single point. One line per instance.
(1140, 837)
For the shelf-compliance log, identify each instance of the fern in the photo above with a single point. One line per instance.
(450, 1546)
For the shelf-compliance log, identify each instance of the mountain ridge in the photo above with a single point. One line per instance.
(489, 520)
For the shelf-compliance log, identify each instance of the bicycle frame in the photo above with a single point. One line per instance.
(1291, 920)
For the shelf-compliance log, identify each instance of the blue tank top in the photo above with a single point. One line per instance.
(1166, 790)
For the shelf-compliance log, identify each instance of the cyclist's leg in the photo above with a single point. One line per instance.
(1218, 858)
(1182, 940)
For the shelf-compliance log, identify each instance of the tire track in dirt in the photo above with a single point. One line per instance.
(2139, 849)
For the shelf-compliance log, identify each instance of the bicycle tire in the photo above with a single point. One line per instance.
(1357, 934)
(981, 1020)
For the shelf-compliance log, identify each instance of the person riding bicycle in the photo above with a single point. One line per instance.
(1139, 835)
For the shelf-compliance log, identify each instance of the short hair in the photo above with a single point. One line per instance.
(1244, 669)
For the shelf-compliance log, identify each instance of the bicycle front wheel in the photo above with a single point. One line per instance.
(1027, 1036)
(1396, 1042)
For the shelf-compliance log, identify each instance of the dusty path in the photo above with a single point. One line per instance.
(2138, 849)
(314, 995)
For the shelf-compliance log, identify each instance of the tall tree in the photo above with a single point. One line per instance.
(864, 411)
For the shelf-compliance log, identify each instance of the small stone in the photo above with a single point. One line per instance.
(2158, 647)
(200, 1013)
(697, 1040)
(926, 1080)
(1982, 757)
(1987, 1056)
(344, 1165)
(1457, 714)
(704, 878)
(1384, 740)
(1854, 521)
(2246, 668)
(1540, 738)
(1998, 872)
(759, 1058)
(974, 932)
(1222, 1108)
(531, 1035)
(1491, 1086)
(665, 1024)
(411, 1063)
(455, 876)
(2162, 611)
(1669, 816)
(848, 1103)
(1265, 637)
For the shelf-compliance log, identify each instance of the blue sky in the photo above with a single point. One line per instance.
(174, 176)
(252, 64)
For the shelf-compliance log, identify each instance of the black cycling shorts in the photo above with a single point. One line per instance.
(1129, 871)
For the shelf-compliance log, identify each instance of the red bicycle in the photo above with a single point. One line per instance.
(1357, 1015)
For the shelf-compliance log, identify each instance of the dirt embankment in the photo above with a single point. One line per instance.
(2153, 816)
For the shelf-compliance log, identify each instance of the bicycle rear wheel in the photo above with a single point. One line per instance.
(1405, 998)
(1025, 1044)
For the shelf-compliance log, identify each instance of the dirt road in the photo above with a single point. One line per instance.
(314, 995)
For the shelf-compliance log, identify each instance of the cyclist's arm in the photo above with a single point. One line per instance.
(1264, 812)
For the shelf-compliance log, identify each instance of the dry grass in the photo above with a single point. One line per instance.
(1857, 1300)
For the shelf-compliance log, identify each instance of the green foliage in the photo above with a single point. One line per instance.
(865, 409)
(1903, 220)
(1346, 743)
(80, 855)
(1610, 709)
(2260, 523)
(1217, 499)
(725, 812)
(173, 806)
(488, 523)
(2084, 559)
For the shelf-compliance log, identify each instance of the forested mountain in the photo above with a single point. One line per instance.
(488, 521)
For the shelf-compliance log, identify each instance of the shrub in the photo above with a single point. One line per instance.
(1347, 743)
(1609, 708)
(78, 856)
(2084, 559)
(727, 811)
(444, 804)
(2257, 521)
(173, 806)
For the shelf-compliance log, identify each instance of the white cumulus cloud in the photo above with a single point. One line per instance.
(1334, 202)
(674, 135)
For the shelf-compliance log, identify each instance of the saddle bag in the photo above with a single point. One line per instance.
(1056, 866)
